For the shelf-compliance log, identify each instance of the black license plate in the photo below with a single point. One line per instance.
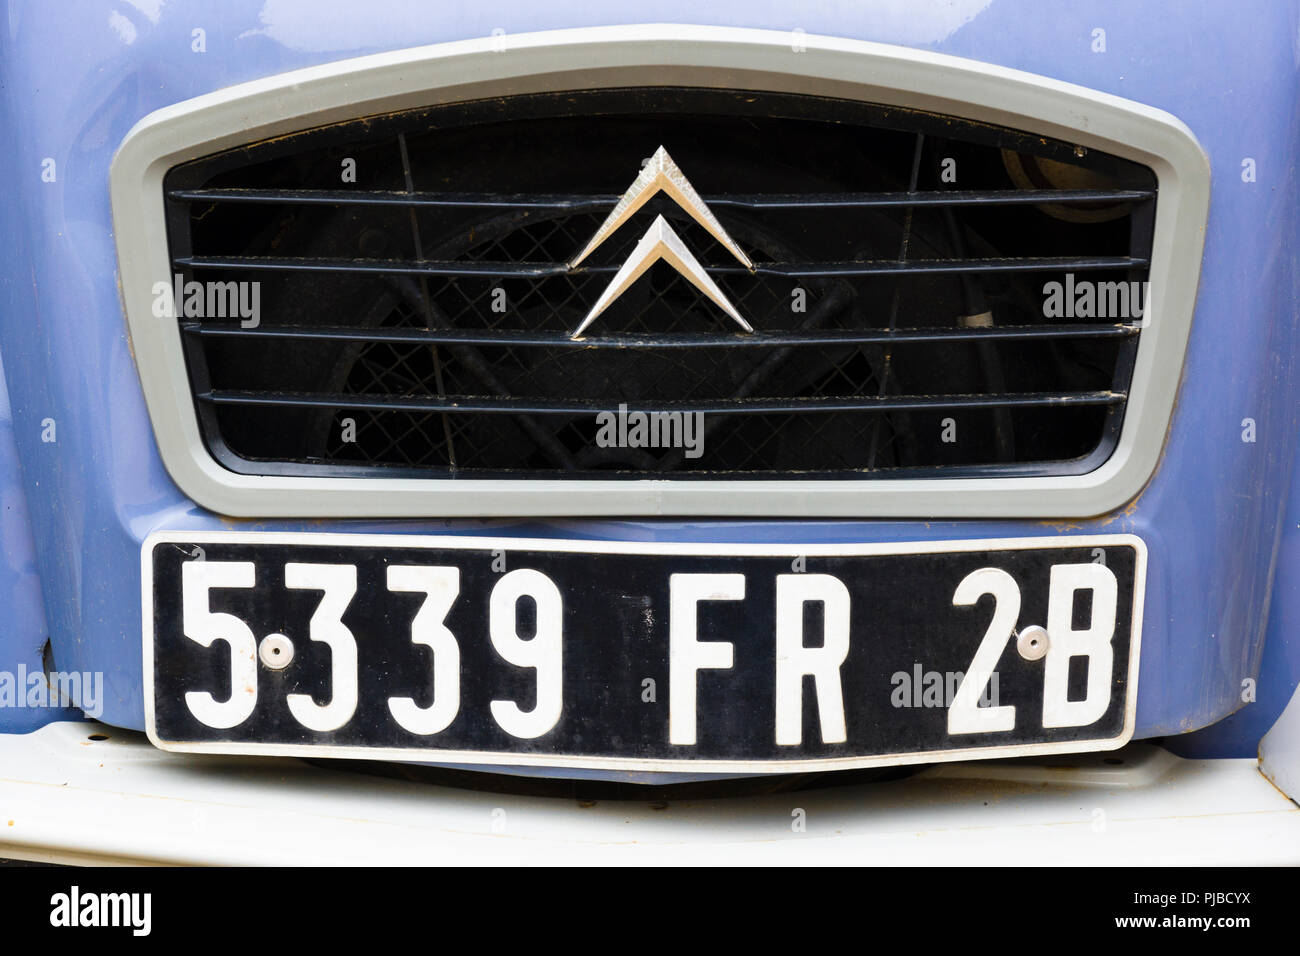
(648, 656)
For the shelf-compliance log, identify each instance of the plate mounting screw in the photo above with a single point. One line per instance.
(1031, 643)
(276, 651)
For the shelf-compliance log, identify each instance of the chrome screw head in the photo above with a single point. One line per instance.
(275, 651)
(1031, 643)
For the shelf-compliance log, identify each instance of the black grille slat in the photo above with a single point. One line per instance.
(476, 405)
(507, 337)
(488, 270)
(540, 270)
(585, 203)
(922, 303)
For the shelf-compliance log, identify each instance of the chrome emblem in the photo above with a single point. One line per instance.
(661, 241)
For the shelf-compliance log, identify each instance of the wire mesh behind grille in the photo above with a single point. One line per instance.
(417, 320)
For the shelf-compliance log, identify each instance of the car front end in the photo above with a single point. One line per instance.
(852, 416)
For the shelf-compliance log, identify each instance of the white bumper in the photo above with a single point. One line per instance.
(66, 798)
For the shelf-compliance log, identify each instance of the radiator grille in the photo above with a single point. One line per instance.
(418, 320)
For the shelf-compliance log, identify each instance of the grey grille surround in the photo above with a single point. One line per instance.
(657, 54)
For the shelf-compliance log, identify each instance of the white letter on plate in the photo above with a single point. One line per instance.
(544, 652)
(686, 655)
(204, 627)
(965, 715)
(1093, 643)
(441, 584)
(339, 582)
(794, 660)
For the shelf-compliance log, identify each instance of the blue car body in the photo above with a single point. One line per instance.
(82, 482)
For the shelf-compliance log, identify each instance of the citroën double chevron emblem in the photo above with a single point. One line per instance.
(661, 241)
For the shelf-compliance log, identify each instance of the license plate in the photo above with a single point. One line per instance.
(647, 656)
